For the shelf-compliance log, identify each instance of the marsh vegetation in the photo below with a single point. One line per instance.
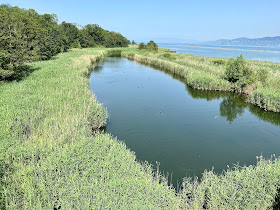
(50, 159)
(53, 154)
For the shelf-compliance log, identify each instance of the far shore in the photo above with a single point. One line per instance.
(227, 48)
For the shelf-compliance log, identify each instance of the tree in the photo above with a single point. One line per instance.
(152, 46)
(71, 34)
(27, 36)
(141, 46)
(238, 72)
(96, 33)
(85, 39)
(114, 39)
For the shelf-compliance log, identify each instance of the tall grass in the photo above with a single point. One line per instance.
(266, 98)
(207, 73)
(53, 156)
(252, 187)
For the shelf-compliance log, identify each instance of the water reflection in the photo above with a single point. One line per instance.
(271, 117)
(97, 68)
(184, 129)
(233, 105)
(208, 95)
(230, 109)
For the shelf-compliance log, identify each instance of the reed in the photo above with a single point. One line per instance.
(207, 73)
(247, 187)
(52, 155)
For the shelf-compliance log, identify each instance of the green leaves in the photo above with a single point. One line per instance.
(151, 46)
(239, 73)
(27, 36)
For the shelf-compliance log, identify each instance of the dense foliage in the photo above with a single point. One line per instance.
(237, 70)
(26, 35)
(151, 46)
(241, 75)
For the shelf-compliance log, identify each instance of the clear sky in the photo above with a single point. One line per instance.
(168, 21)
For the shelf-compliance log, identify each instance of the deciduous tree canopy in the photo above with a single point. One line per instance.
(26, 35)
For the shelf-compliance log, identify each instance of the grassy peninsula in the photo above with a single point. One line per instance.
(207, 73)
(53, 156)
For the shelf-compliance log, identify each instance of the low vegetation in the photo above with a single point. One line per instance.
(259, 80)
(53, 156)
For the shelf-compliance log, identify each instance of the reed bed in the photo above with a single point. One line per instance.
(247, 187)
(53, 156)
(207, 73)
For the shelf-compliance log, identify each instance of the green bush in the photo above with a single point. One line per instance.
(141, 46)
(238, 72)
(151, 46)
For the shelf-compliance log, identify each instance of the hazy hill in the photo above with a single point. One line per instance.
(265, 41)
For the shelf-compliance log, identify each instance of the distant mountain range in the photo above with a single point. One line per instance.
(265, 41)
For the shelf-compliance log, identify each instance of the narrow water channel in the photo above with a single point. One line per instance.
(186, 130)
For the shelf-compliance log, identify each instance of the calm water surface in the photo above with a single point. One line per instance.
(265, 53)
(186, 130)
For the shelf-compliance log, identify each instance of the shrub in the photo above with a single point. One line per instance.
(151, 46)
(238, 72)
(141, 46)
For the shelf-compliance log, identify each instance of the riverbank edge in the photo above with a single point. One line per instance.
(213, 191)
(261, 97)
(59, 159)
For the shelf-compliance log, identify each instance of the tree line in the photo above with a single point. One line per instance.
(26, 35)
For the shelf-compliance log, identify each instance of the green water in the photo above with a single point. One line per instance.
(186, 130)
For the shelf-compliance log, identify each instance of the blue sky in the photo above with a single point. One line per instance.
(168, 21)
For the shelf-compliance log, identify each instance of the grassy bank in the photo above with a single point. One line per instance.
(52, 154)
(49, 157)
(207, 73)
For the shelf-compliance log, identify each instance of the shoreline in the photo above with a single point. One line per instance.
(264, 97)
(227, 48)
(52, 158)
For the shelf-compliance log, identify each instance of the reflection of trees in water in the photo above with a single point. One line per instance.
(233, 105)
(98, 68)
(173, 75)
(268, 116)
(230, 109)
(207, 94)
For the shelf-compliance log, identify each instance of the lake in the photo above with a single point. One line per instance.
(186, 130)
(265, 53)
